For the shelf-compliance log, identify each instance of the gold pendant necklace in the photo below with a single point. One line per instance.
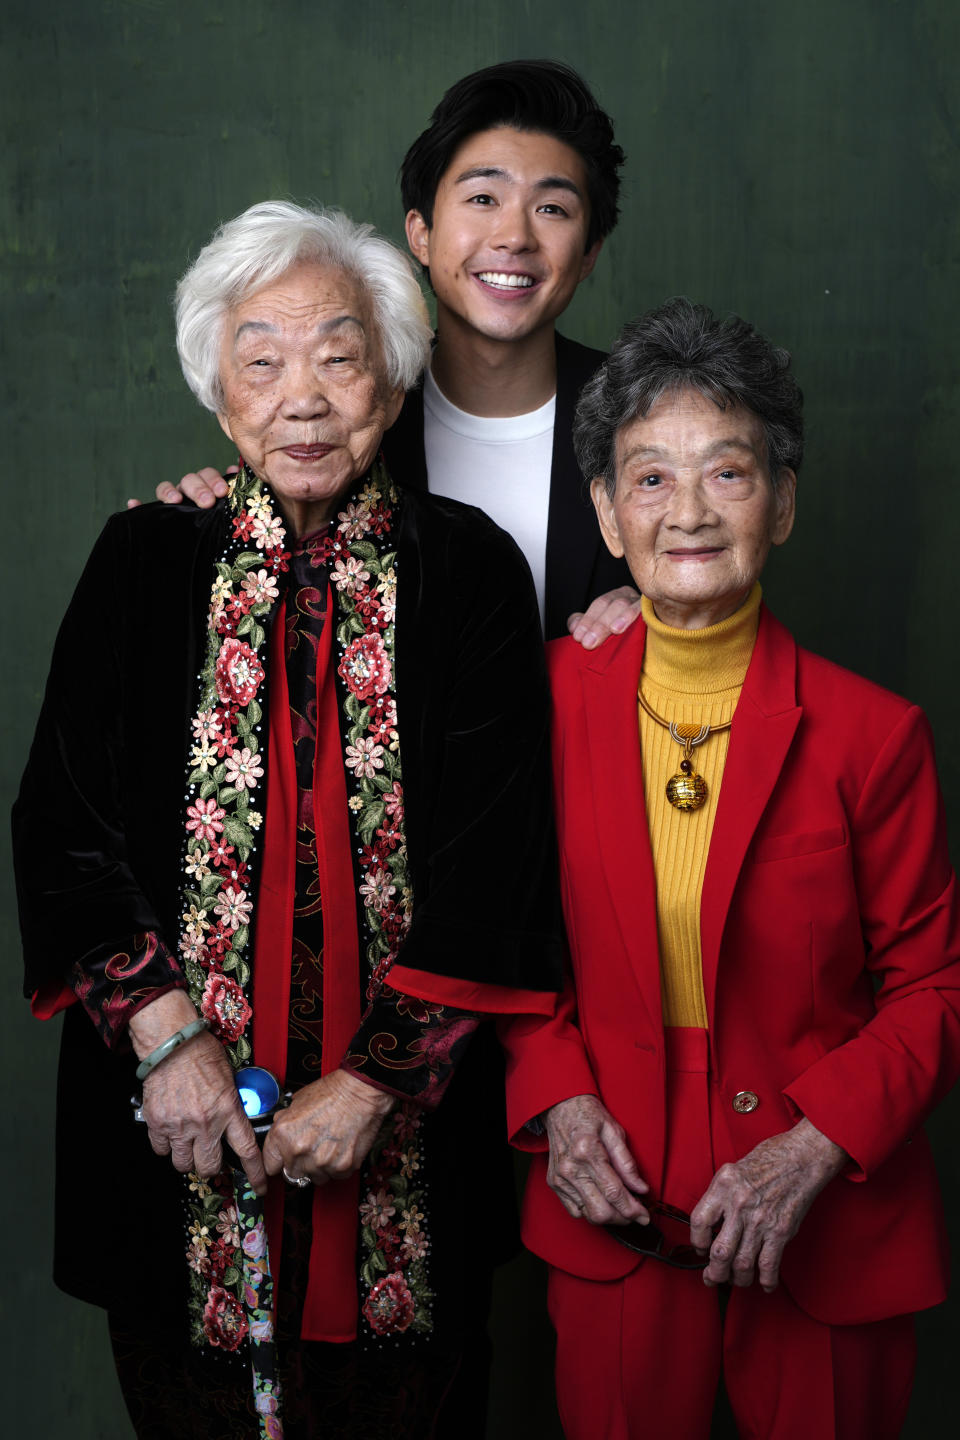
(687, 790)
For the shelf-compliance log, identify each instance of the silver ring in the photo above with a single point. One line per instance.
(299, 1180)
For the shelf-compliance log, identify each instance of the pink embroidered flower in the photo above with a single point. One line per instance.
(224, 1005)
(377, 1210)
(377, 888)
(394, 802)
(389, 1306)
(243, 771)
(364, 758)
(415, 1245)
(205, 819)
(233, 907)
(267, 534)
(366, 667)
(206, 725)
(238, 672)
(224, 1322)
(260, 586)
(348, 574)
(227, 1225)
(354, 521)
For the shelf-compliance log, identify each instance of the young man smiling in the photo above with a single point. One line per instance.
(509, 193)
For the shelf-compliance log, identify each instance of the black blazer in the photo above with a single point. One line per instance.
(579, 565)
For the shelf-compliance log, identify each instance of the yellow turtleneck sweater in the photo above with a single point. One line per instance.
(695, 677)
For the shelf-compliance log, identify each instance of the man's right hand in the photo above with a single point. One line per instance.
(204, 487)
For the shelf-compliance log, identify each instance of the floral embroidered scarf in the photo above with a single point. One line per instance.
(231, 1282)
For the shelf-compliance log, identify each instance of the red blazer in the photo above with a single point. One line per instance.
(831, 962)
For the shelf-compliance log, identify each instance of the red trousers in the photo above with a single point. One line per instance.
(640, 1358)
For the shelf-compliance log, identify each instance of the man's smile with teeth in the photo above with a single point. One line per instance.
(509, 282)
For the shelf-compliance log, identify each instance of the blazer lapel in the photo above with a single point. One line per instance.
(763, 728)
(609, 685)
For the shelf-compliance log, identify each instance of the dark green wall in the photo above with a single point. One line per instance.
(795, 163)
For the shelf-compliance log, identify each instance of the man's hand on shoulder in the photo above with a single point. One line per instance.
(608, 615)
(204, 487)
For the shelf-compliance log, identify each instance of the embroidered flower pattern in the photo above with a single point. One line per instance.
(365, 577)
(230, 1276)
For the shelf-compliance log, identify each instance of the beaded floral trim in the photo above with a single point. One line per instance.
(362, 567)
(222, 825)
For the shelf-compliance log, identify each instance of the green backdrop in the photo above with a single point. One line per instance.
(795, 163)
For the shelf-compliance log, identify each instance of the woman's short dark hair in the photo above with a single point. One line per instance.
(540, 96)
(683, 346)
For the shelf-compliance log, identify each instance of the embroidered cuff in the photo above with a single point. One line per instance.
(410, 1047)
(115, 985)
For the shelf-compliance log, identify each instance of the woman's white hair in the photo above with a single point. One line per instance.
(259, 247)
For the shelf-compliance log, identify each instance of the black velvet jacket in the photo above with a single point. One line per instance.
(98, 823)
(579, 565)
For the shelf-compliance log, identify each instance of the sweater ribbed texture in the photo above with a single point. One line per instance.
(689, 677)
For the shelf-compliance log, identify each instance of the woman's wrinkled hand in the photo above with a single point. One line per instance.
(190, 1101)
(761, 1201)
(328, 1129)
(591, 1168)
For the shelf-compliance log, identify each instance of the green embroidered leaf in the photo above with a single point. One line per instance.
(379, 1261)
(246, 558)
(243, 726)
(240, 937)
(257, 634)
(369, 1236)
(207, 788)
(209, 885)
(224, 571)
(197, 777)
(231, 1276)
(356, 625)
(363, 719)
(371, 818)
(254, 712)
(236, 832)
(245, 625)
(192, 897)
(228, 793)
(366, 1273)
(220, 774)
(363, 550)
(382, 782)
(352, 706)
(243, 1048)
(243, 973)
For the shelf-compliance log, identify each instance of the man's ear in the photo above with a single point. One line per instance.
(589, 260)
(418, 237)
(605, 514)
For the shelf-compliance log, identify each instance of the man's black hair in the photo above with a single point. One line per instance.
(540, 96)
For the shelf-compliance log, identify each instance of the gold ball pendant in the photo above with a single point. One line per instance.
(686, 792)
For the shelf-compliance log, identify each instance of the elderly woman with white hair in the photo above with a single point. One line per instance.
(278, 751)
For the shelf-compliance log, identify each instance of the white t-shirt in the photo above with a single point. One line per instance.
(500, 464)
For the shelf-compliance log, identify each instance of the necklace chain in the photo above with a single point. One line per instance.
(687, 790)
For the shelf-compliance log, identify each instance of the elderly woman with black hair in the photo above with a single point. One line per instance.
(267, 830)
(765, 994)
